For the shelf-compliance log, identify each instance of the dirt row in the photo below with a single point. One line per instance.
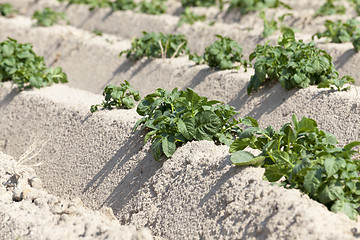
(67, 47)
(29, 212)
(199, 35)
(97, 158)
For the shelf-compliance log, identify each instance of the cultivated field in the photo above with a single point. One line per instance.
(107, 183)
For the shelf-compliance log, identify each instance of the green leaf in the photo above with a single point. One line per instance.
(250, 122)
(306, 125)
(346, 207)
(351, 145)
(243, 158)
(36, 81)
(156, 148)
(331, 192)
(239, 144)
(207, 125)
(8, 50)
(272, 173)
(332, 165)
(168, 146)
(280, 157)
(312, 181)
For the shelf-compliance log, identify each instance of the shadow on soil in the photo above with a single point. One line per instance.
(8, 97)
(344, 58)
(199, 77)
(267, 99)
(137, 173)
(125, 67)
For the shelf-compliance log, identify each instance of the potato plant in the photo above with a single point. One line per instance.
(356, 5)
(176, 117)
(7, 10)
(246, 6)
(190, 18)
(157, 45)
(222, 54)
(93, 4)
(270, 26)
(339, 31)
(48, 17)
(294, 64)
(329, 8)
(19, 64)
(123, 96)
(303, 157)
(123, 5)
(197, 3)
(153, 7)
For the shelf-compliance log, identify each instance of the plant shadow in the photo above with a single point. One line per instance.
(344, 58)
(125, 67)
(267, 99)
(199, 77)
(121, 157)
(8, 97)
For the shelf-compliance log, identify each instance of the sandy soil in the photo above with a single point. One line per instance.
(29, 212)
(196, 194)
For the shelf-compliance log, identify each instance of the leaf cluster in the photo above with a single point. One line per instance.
(190, 18)
(176, 117)
(123, 5)
(198, 3)
(271, 26)
(294, 64)
(329, 8)
(153, 7)
(92, 3)
(222, 54)
(123, 96)
(19, 63)
(339, 32)
(48, 17)
(6, 9)
(247, 6)
(306, 158)
(157, 45)
(356, 5)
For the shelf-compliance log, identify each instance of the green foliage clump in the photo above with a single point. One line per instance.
(19, 64)
(247, 6)
(339, 32)
(356, 42)
(48, 17)
(356, 5)
(6, 9)
(308, 159)
(92, 3)
(198, 3)
(329, 8)
(157, 45)
(123, 5)
(176, 117)
(271, 26)
(190, 18)
(294, 64)
(118, 97)
(153, 7)
(222, 54)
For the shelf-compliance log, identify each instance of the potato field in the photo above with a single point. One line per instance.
(179, 119)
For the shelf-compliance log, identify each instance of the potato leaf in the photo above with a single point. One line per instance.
(244, 158)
